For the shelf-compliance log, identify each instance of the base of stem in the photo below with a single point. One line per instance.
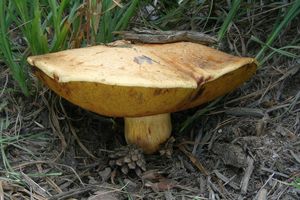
(148, 132)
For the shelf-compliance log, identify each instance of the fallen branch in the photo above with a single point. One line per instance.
(160, 37)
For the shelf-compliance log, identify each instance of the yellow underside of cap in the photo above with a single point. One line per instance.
(120, 101)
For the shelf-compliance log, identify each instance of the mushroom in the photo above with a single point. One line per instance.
(143, 83)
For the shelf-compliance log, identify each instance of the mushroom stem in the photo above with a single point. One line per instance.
(148, 132)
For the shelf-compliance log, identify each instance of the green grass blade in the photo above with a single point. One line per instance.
(296, 183)
(280, 51)
(114, 18)
(38, 32)
(61, 26)
(292, 12)
(61, 36)
(123, 22)
(232, 13)
(209, 15)
(28, 16)
(101, 36)
(6, 50)
(55, 17)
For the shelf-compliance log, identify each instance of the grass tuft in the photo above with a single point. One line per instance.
(113, 18)
(9, 57)
(229, 18)
(290, 14)
(18, 142)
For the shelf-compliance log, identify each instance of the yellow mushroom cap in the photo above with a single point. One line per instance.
(133, 80)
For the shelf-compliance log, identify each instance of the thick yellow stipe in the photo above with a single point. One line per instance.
(148, 132)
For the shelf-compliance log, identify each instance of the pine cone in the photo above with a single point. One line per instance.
(128, 158)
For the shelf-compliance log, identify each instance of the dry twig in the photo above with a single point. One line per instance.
(247, 175)
(159, 37)
(193, 159)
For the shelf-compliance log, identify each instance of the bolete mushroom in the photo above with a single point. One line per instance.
(143, 83)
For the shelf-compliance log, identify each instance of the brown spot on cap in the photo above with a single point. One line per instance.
(55, 77)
